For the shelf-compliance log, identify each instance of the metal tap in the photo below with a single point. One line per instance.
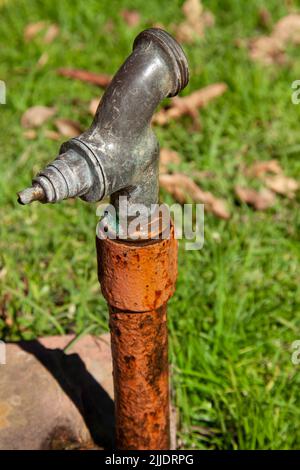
(118, 154)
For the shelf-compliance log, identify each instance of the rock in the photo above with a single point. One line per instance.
(50, 399)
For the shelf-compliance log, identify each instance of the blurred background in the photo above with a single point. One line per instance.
(234, 145)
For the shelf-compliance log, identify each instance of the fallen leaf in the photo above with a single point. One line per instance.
(68, 127)
(131, 17)
(260, 200)
(271, 49)
(100, 79)
(287, 29)
(260, 168)
(168, 157)
(30, 134)
(271, 173)
(183, 188)
(192, 9)
(267, 50)
(189, 104)
(265, 17)
(43, 59)
(94, 106)
(33, 29)
(36, 116)
(51, 33)
(169, 183)
(52, 135)
(283, 185)
(196, 20)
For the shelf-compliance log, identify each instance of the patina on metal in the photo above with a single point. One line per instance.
(119, 153)
(118, 156)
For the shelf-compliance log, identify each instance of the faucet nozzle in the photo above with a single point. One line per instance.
(28, 195)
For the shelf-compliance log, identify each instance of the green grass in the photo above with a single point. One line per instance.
(236, 310)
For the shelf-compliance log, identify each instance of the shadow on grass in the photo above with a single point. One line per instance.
(91, 400)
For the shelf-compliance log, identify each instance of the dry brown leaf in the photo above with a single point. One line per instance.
(260, 168)
(267, 50)
(168, 157)
(192, 9)
(265, 17)
(131, 17)
(30, 134)
(100, 79)
(173, 184)
(260, 200)
(51, 33)
(36, 116)
(271, 49)
(271, 173)
(94, 106)
(196, 20)
(288, 29)
(68, 127)
(182, 187)
(52, 135)
(283, 185)
(33, 29)
(189, 104)
(43, 59)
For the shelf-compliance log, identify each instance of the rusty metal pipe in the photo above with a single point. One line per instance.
(118, 156)
(139, 343)
(137, 281)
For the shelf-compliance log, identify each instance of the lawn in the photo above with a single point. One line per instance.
(236, 311)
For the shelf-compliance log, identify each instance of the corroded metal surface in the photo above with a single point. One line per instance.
(137, 277)
(140, 364)
(137, 280)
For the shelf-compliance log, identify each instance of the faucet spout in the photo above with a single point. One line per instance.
(119, 153)
(28, 195)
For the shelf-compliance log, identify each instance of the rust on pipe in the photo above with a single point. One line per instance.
(141, 380)
(137, 280)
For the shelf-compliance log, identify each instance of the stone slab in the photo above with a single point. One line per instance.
(51, 399)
